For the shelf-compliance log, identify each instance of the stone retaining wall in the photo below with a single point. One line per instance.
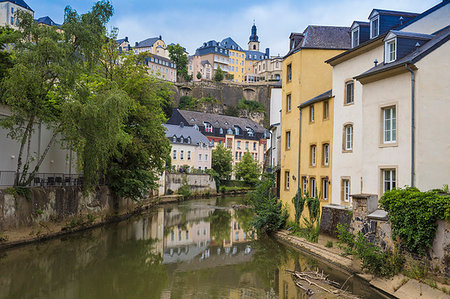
(199, 183)
(331, 216)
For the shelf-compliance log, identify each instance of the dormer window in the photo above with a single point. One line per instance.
(390, 51)
(174, 139)
(189, 140)
(250, 132)
(229, 132)
(220, 131)
(208, 127)
(181, 139)
(375, 27)
(236, 130)
(355, 37)
(196, 127)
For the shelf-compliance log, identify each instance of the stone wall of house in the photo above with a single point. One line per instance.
(199, 183)
(56, 204)
(331, 216)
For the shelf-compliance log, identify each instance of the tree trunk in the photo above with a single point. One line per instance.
(22, 145)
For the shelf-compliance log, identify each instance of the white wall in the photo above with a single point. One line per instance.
(349, 164)
(275, 105)
(5, 13)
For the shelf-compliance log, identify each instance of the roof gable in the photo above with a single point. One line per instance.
(149, 42)
(21, 3)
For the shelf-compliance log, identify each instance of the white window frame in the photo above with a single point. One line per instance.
(389, 177)
(287, 177)
(326, 154)
(181, 155)
(355, 33)
(346, 186)
(377, 20)
(390, 125)
(312, 182)
(238, 144)
(348, 137)
(305, 185)
(311, 116)
(288, 100)
(174, 154)
(189, 155)
(199, 157)
(313, 155)
(288, 140)
(325, 188)
(390, 50)
(347, 100)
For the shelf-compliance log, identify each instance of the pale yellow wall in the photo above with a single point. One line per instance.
(238, 62)
(311, 76)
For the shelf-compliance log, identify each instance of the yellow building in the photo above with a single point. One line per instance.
(305, 76)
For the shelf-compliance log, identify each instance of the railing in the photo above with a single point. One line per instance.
(45, 179)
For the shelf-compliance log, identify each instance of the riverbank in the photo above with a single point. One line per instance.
(398, 286)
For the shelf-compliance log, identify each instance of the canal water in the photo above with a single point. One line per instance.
(197, 249)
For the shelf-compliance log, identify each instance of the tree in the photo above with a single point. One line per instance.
(218, 75)
(221, 162)
(248, 169)
(199, 75)
(229, 76)
(177, 55)
(49, 73)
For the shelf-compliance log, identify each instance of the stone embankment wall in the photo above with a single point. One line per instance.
(227, 93)
(331, 216)
(56, 204)
(199, 183)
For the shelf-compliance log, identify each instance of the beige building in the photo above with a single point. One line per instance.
(207, 59)
(379, 142)
(8, 10)
(269, 69)
(123, 44)
(162, 68)
(153, 45)
(190, 148)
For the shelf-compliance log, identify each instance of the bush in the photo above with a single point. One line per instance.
(250, 106)
(329, 244)
(413, 215)
(185, 189)
(373, 258)
(270, 214)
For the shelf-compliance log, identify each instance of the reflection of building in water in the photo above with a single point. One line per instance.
(237, 233)
(286, 286)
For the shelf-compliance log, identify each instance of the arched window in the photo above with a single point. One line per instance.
(221, 131)
(254, 47)
(174, 138)
(229, 131)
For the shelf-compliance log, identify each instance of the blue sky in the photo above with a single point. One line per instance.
(190, 23)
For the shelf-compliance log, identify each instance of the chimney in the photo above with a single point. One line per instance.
(136, 44)
(267, 52)
(126, 39)
(375, 62)
(160, 37)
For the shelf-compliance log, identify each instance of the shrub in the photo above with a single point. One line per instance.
(329, 244)
(413, 215)
(185, 189)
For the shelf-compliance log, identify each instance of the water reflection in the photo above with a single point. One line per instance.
(202, 249)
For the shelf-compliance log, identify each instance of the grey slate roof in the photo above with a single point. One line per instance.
(412, 35)
(228, 42)
(394, 13)
(205, 62)
(324, 37)
(185, 132)
(320, 97)
(147, 42)
(120, 41)
(440, 38)
(18, 2)
(47, 21)
(220, 121)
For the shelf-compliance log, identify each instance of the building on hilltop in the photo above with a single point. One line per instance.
(8, 10)
(239, 135)
(207, 59)
(190, 148)
(236, 59)
(378, 142)
(161, 68)
(153, 45)
(123, 44)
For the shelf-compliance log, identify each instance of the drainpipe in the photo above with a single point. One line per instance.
(299, 146)
(413, 126)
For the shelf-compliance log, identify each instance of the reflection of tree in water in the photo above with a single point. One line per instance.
(244, 218)
(220, 225)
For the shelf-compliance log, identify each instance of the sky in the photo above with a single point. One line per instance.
(190, 23)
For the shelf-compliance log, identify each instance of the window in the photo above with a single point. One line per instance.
(311, 113)
(174, 139)
(348, 137)
(220, 131)
(305, 185)
(181, 139)
(12, 10)
(236, 130)
(313, 187)
(12, 20)
(289, 72)
(326, 110)
(199, 157)
(238, 146)
(375, 27)
(174, 154)
(254, 146)
(236, 156)
(181, 155)
(240, 156)
(326, 154)
(206, 157)
(189, 155)
(325, 187)
(349, 92)
(288, 140)
(250, 132)
(189, 140)
(346, 190)
(287, 175)
(246, 145)
(388, 179)
(390, 51)
(355, 37)
(288, 103)
(229, 142)
(313, 155)
(179, 235)
(389, 125)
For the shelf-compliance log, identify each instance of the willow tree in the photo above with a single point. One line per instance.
(48, 65)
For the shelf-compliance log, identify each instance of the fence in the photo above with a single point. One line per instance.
(45, 179)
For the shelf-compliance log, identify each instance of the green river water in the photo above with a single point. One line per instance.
(196, 249)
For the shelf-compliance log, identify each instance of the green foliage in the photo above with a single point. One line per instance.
(179, 57)
(220, 224)
(190, 103)
(199, 75)
(312, 224)
(250, 106)
(221, 162)
(185, 189)
(329, 244)
(313, 204)
(413, 215)
(19, 191)
(299, 205)
(231, 111)
(270, 214)
(248, 169)
(3, 237)
(7, 35)
(229, 76)
(373, 258)
(218, 75)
